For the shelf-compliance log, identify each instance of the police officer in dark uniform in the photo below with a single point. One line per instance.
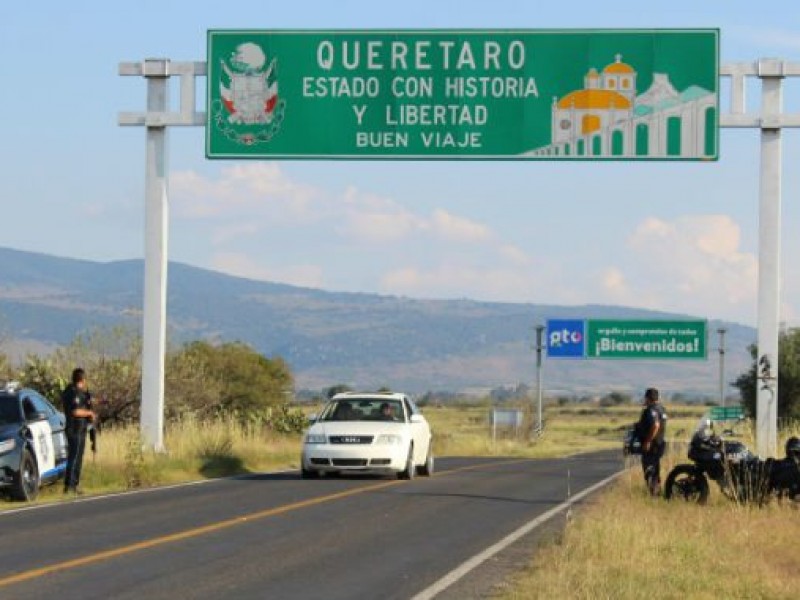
(77, 409)
(652, 427)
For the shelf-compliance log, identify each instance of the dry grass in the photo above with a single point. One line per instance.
(465, 431)
(194, 451)
(627, 545)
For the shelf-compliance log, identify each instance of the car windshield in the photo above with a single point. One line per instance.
(363, 409)
(9, 411)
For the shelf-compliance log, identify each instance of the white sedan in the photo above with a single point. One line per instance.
(368, 432)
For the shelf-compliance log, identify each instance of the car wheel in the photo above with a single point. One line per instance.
(410, 470)
(26, 481)
(427, 468)
(308, 474)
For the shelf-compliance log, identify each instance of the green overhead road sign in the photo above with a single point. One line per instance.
(441, 94)
(646, 339)
(726, 413)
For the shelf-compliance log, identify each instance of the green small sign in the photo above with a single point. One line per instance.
(726, 413)
(646, 339)
(477, 94)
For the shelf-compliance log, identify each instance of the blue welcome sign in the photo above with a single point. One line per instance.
(566, 338)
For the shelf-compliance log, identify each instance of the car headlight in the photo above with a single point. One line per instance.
(7, 445)
(315, 438)
(389, 438)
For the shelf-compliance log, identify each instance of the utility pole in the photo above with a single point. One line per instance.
(539, 348)
(721, 331)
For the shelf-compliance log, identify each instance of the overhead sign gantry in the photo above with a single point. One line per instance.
(246, 82)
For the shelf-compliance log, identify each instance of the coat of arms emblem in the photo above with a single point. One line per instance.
(249, 110)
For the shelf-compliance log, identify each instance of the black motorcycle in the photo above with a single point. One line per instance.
(741, 475)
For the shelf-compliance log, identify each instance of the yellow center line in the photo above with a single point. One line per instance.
(205, 529)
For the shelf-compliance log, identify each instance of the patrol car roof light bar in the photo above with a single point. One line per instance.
(157, 118)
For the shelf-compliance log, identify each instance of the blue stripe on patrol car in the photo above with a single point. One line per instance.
(59, 469)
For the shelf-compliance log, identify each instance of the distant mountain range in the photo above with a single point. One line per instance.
(363, 340)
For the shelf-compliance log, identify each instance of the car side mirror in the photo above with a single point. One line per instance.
(417, 419)
(312, 418)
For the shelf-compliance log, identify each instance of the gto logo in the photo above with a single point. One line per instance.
(566, 338)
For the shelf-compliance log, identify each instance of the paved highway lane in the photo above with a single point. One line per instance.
(278, 536)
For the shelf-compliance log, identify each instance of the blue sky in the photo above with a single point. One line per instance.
(674, 237)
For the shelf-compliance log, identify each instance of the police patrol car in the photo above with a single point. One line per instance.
(33, 444)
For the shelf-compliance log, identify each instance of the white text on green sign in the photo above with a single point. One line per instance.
(646, 339)
(595, 94)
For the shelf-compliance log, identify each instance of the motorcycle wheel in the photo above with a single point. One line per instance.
(686, 482)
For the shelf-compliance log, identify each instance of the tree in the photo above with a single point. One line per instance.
(112, 360)
(42, 375)
(339, 388)
(5, 367)
(788, 377)
(615, 399)
(250, 383)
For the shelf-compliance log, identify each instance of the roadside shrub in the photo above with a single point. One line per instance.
(42, 375)
(284, 419)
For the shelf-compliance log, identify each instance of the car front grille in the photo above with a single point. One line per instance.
(349, 462)
(350, 439)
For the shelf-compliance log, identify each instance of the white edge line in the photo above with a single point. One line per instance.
(471, 563)
(149, 490)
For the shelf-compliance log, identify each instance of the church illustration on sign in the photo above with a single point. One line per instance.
(608, 119)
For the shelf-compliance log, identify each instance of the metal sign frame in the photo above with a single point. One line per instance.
(770, 121)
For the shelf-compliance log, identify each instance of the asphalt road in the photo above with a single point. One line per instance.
(278, 536)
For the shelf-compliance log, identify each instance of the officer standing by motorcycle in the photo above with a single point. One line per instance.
(652, 427)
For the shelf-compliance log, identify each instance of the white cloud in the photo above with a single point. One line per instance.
(692, 264)
(242, 265)
(241, 190)
(222, 235)
(459, 281)
(515, 255)
(262, 190)
(614, 283)
(375, 219)
(457, 228)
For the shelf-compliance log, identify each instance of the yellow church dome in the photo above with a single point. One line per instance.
(618, 67)
(599, 99)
